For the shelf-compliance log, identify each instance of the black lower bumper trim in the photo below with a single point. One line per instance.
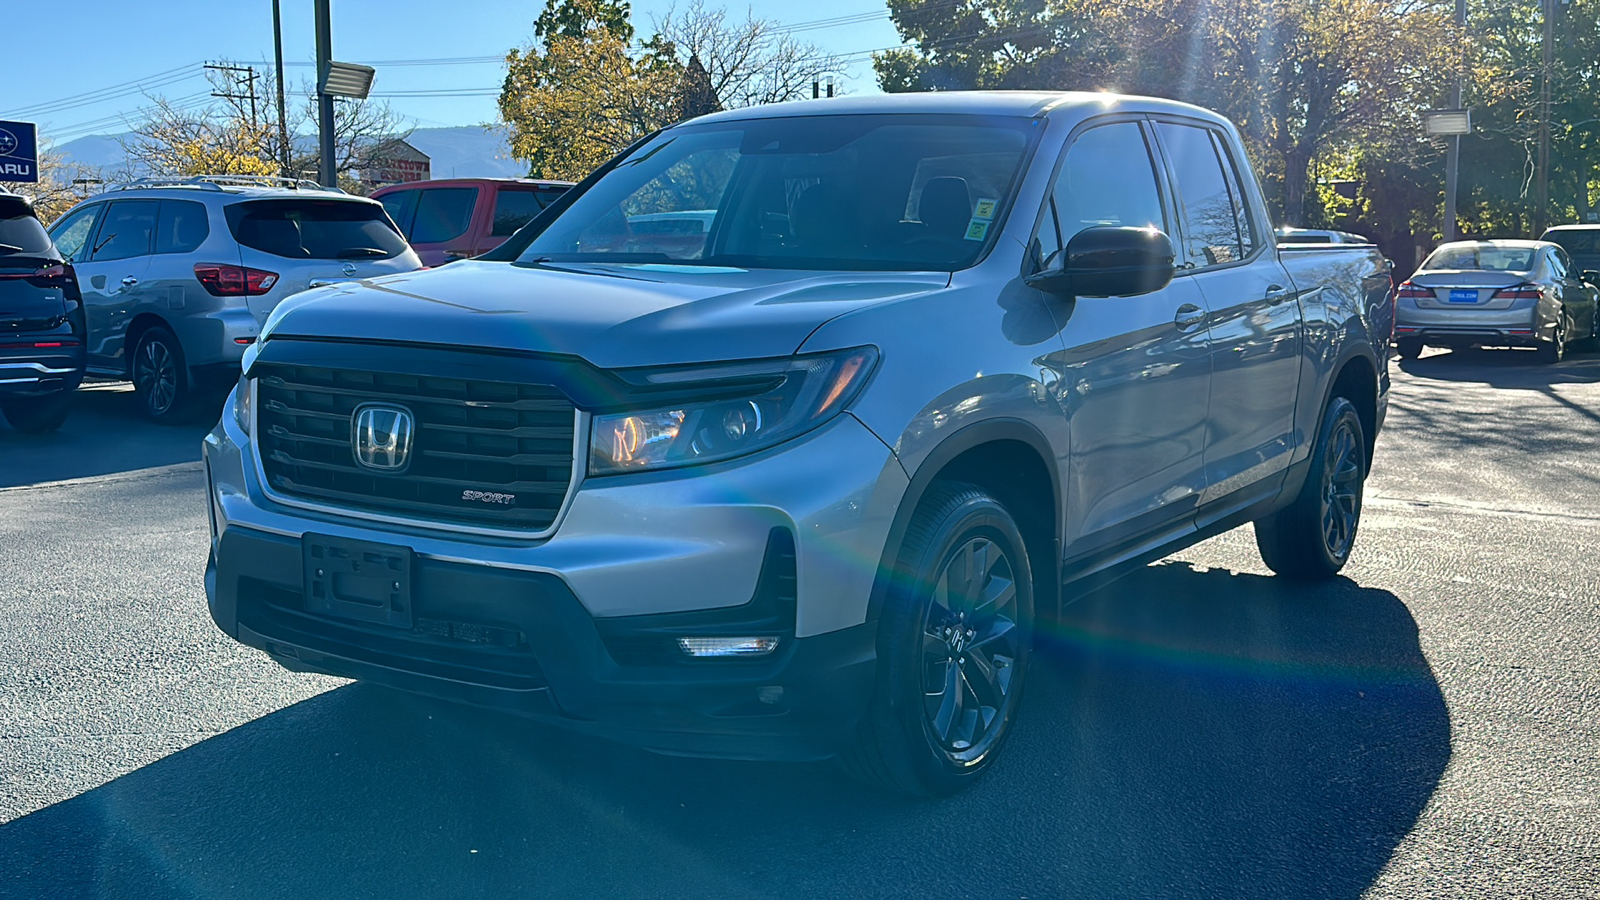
(520, 642)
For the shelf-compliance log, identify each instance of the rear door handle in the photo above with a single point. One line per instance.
(1278, 293)
(1188, 317)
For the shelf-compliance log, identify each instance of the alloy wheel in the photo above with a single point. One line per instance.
(155, 374)
(970, 650)
(1341, 492)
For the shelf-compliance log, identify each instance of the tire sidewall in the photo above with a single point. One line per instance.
(1339, 410)
(900, 635)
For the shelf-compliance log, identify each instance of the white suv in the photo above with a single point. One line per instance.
(178, 274)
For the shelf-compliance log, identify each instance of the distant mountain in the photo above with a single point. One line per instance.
(464, 151)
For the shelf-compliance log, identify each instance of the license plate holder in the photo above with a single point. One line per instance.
(360, 580)
(1463, 296)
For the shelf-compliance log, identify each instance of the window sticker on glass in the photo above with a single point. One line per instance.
(976, 229)
(984, 209)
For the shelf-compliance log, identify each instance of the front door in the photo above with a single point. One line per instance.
(1135, 371)
(112, 279)
(1255, 319)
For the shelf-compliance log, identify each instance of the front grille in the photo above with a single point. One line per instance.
(512, 442)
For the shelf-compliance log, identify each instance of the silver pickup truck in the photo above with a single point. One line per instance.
(778, 435)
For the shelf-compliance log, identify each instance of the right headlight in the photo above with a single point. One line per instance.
(243, 397)
(788, 398)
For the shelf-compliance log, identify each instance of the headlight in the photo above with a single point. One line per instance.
(782, 399)
(243, 395)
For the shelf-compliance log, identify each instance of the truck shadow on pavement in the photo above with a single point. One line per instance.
(1505, 368)
(103, 435)
(1187, 733)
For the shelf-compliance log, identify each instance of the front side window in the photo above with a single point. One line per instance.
(315, 229)
(1107, 178)
(443, 214)
(128, 231)
(72, 232)
(868, 192)
(1210, 221)
(183, 226)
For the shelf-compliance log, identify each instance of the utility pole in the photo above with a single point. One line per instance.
(1452, 160)
(1541, 214)
(247, 80)
(325, 170)
(283, 119)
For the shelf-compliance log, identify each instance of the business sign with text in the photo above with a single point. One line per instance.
(19, 152)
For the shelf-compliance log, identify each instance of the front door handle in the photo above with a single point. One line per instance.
(1278, 293)
(129, 281)
(1189, 316)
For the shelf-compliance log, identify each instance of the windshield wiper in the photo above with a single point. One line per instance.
(10, 248)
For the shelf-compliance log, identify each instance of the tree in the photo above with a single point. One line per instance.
(746, 63)
(581, 92)
(696, 96)
(60, 186)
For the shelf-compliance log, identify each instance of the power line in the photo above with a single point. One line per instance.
(110, 92)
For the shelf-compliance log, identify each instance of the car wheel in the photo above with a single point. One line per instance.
(161, 379)
(1311, 538)
(1554, 350)
(1408, 348)
(37, 415)
(953, 648)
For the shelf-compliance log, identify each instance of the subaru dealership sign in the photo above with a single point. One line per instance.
(19, 152)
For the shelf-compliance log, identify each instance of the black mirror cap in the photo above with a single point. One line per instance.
(1112, 261)
(1591, 276)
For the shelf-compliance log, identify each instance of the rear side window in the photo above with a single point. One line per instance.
(129, 230)
(315, 229)
(71, 233)
(1107, 178)
(182, 227)
(20, 231)
(443, 214)
(1211, 222)
(516, 208)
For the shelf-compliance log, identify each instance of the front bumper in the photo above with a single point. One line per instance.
(581, 627)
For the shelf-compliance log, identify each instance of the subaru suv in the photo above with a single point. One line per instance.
(41, 322)
(178, 274)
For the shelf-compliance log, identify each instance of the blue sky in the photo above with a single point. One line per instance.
(88, 77)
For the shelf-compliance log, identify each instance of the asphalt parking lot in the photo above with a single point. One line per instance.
(1428, 726)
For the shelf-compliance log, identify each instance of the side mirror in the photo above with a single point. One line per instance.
(1592, 277)
(1111, 261)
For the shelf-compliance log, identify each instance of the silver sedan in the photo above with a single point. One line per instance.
(1497, 294)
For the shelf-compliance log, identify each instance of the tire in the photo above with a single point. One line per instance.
(161, 379)
(1553, 351)
(1311, 539)
(950, 668)
(37, 415)
(1408, 348)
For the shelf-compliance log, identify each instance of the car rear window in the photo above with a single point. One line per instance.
(515, 208)
(20, 231)
(1482, 257)
(315, 229)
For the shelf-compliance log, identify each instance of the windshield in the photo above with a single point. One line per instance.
(892, 192)
(315, 229)
(1485, 257)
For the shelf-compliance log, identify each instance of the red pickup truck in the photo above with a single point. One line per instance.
(454, 218)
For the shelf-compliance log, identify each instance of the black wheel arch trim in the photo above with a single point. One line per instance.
(927, 472)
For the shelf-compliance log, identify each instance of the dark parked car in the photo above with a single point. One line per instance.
(456, 218)
(41, 322)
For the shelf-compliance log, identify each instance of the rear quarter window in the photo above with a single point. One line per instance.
(315, 229)
(514, 208)
(443, 214)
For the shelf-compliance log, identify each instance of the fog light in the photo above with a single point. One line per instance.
(728, 646)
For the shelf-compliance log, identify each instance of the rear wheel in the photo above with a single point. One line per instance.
(1554, 350)
(1408, 348)
(1311, 538)
(162, 381)
(953, 648)
(37, 415)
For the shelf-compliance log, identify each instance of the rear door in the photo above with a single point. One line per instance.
(514, 207)
(314, 240)
(1255, 315)
(181, 227)
(1576, 295)
(1136, 370)
(112, 279)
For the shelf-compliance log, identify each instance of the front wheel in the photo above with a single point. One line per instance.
(953, 647)
(37, 415)
(1311, 538)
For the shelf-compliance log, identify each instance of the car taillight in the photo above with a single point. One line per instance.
(1409, 291)
(1520, 292)
(49, 276)
(222, 280)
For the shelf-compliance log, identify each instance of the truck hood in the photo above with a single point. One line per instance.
(613, 316)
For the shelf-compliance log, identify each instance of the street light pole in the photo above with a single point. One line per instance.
(1452, 160)
(325, 170)
(283, 119)
(1542, 212)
